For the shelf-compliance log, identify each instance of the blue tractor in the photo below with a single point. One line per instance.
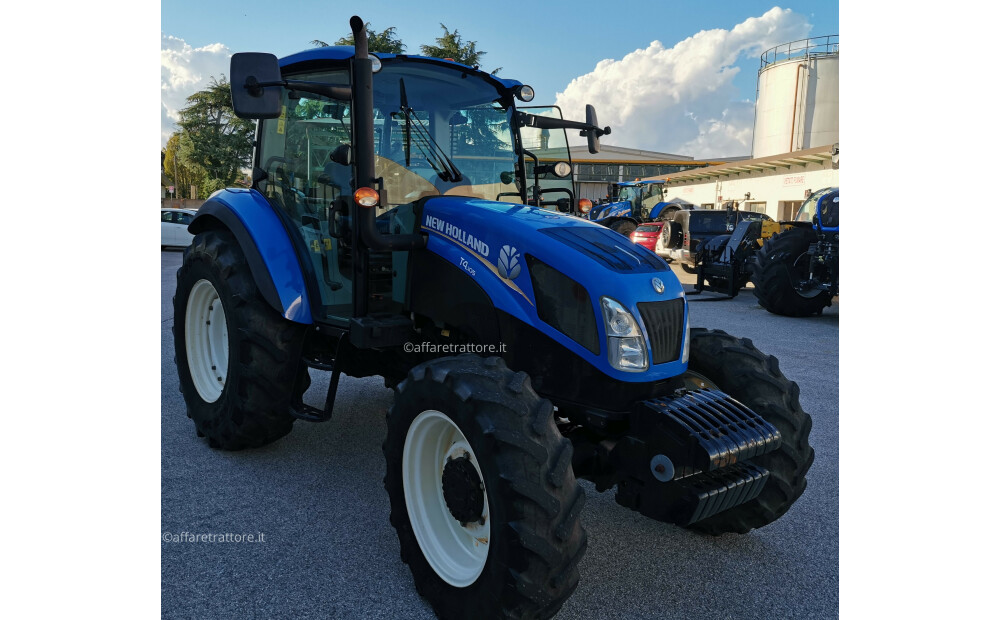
(797, 272)
(527, 348)
(631, 204)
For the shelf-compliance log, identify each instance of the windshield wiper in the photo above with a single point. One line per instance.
(434, 154)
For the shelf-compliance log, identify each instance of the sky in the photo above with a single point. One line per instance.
(672, 77)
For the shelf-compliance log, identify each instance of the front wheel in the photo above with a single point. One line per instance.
(482, 491)
(738, 368)
(238, 361)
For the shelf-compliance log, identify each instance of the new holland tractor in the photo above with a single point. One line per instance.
(375, 241)
(796, 273)
(634, 202)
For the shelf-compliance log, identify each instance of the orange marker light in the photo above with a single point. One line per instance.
(366, 197)
(585, 205)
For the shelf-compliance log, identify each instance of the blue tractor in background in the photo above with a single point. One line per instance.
(632, 203)
(527, 348)
(797, 272)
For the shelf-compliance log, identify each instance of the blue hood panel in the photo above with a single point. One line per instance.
(489, 240)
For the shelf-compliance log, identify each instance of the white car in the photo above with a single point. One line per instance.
(174, 227)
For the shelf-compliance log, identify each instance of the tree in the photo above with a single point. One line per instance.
(214, 143)
(173, 166)
(384, 42)
(451, 46)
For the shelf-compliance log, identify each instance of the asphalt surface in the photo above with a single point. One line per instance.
(329, 551)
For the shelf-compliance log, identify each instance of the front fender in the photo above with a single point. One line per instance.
(265, 243)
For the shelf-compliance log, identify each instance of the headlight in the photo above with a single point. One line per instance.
(687, 339)
(626, 345)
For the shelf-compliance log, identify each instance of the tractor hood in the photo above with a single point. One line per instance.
(499, 245)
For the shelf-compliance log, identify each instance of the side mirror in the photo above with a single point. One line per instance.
(341, 155)
(252, 78)
(506, 177)
(594, 134)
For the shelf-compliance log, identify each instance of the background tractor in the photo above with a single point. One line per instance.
(379, 238)
(796, 273)
(632, 203)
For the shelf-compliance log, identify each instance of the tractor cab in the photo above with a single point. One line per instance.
(433, 128)
(643, 196)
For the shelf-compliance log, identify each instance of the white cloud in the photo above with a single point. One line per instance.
(184, 70)
(682, 99)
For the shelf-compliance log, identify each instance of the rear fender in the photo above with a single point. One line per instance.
(265, 243)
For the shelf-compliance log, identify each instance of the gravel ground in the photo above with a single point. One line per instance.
(316, 496)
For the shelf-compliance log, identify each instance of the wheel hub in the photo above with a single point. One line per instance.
(463, 490)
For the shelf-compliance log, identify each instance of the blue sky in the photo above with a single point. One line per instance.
(544, 44)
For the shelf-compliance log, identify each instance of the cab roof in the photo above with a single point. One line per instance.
(344, 52)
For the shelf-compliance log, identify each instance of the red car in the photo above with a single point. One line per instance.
(647, 234)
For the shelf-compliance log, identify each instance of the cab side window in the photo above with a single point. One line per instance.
(184, 218)
(166, 216)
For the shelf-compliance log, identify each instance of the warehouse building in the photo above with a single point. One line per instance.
(594, 171)
(776, 185)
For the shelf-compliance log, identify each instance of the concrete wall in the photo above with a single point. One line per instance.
(180, 203)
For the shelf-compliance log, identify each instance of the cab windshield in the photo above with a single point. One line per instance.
(440, 132)
(808, 208)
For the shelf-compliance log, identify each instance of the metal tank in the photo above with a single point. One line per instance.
(798, 96)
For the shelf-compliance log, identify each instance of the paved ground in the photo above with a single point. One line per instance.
(328, 550)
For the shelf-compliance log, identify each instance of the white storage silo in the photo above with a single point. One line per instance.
(798, 97)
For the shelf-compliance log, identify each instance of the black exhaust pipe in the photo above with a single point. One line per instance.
(364, 147)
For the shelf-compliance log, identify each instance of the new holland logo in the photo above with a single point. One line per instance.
(507, 265)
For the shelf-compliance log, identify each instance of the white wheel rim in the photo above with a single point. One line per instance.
(206, 338)
(457, 553)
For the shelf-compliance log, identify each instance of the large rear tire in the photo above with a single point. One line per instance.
(738, 368)
(778, 270)
(238, 361)
(482, 491)
(624, 227)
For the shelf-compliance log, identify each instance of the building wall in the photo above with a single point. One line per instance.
(775, 189)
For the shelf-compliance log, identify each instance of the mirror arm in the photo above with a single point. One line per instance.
(340, 93)
(544, 122)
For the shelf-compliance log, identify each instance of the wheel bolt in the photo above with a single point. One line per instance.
(660, 468)
(220, 379)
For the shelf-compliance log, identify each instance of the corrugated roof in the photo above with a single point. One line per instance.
(818, 155)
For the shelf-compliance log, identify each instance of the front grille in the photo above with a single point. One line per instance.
(664, 321)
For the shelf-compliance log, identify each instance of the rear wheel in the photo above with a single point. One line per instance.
(482, 491)
(738, 368)
(781, 275)
(238, 361)
(624, 227)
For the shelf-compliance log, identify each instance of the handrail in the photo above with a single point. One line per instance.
(814, 46)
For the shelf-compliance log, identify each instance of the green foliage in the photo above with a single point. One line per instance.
(450, 45)
(385, 42)
(211, 185)
(214, 145)
(173, 166)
